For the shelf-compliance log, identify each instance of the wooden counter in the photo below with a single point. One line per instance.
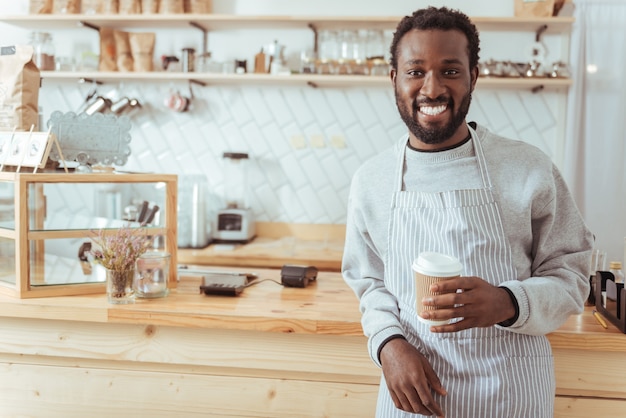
(276, 244)
(270, 352)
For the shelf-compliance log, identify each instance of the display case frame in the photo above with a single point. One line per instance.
(27, 236)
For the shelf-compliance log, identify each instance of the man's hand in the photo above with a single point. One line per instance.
(410, 378)
(479, 303)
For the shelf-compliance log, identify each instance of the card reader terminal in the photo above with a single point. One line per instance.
(297, 276)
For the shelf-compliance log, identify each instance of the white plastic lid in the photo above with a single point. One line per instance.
(437, 264)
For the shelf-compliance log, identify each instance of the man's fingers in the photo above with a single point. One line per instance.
(427, 403)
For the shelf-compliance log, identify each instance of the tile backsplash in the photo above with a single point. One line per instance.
(304, 143)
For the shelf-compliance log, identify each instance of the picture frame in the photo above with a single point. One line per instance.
(26, 149)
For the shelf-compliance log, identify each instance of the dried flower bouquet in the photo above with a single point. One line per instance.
(118, 253)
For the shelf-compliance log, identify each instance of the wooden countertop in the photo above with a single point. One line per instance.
(583, 332)
(276, 244)
(326, 307)
(269, 253)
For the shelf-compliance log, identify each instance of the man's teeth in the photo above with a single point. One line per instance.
(432, 110)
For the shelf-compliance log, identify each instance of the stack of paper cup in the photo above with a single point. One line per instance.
(430, 268)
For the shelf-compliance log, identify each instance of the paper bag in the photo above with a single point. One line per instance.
(534, 8)
(19, 88)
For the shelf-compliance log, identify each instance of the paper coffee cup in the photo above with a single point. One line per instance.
(430, 268)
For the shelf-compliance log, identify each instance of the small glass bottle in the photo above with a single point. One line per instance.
(43, 54)
(615, 267)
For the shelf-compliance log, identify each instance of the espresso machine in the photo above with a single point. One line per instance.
(235, 222)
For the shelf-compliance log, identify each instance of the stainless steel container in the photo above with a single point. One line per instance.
(193, 226)
(108, 202)
(198, 215)
(124, 104)
(99, 104)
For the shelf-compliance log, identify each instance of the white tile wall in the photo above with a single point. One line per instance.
(340, 129)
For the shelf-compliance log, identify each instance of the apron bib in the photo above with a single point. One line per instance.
(487, 372)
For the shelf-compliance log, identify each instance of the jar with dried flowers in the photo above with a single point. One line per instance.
(117, 252)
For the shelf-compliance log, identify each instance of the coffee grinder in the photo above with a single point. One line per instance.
(235, 222)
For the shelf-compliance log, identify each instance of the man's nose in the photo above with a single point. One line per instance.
(433, 86)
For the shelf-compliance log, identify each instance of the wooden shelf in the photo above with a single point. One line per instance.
(525, 83)
(208, 22)
(223, 22)
(313, 80)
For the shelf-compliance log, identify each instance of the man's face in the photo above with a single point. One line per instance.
(433, 86)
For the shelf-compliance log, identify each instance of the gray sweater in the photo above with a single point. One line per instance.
(551, 246)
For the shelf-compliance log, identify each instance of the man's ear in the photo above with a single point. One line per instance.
(474, 75)
(392, 75)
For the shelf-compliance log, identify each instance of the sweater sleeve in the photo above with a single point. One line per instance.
(559, 274)
(363, 271)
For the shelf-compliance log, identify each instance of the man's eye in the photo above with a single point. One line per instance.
(415, 73)
(451, 72)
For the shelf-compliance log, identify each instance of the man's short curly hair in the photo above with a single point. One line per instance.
(440, 19)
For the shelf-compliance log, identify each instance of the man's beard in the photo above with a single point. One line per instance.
(436, 135)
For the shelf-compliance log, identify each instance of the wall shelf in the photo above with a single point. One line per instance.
(209, 22)
(223, 22)
(314, 80)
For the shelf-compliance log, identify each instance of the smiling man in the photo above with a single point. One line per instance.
(499, 206)
(433, 82)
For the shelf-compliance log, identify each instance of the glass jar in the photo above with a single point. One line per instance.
(328, 52)
(43, 54)
(152, 272)
(206, 64)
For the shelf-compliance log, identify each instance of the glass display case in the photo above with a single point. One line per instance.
(47, 221)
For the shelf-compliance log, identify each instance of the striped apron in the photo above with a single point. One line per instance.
(487, 372)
